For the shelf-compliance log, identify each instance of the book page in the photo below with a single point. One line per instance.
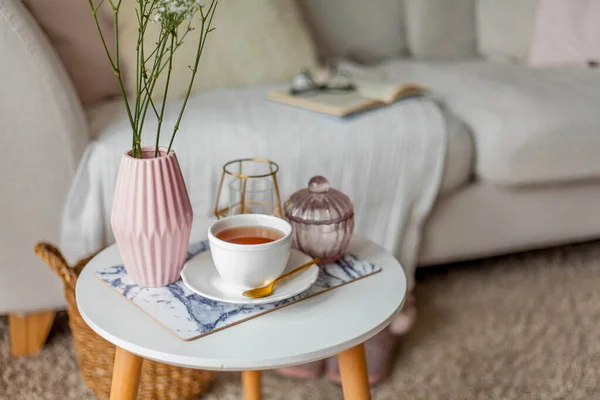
(334, 103)
(384, 91)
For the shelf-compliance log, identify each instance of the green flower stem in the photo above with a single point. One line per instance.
(146, 79)
(164, 102)
(136, 135)
(149, 87)
(203, 35)
(151, 79)
(95, 14)
(141, 73)
(115, 66)
(139, 65)
(177, 45)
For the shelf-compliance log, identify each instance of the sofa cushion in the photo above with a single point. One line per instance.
(254, 42)
(70, 27)
(505, 29)
(566, 33)
(530, 126)
(356, 29)
(441, 29)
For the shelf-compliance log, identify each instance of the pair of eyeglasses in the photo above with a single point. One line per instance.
(305, 84)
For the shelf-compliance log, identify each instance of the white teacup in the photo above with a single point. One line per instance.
(248, 266)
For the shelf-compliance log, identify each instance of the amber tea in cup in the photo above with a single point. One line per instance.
(250, 250)
(250, 235)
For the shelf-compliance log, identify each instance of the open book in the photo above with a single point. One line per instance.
(368, 95)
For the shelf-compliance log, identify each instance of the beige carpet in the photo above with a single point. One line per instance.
(517, 327)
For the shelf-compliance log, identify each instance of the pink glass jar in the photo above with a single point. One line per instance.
(322, 219)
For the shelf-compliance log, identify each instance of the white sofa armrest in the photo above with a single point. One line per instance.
(43, 132)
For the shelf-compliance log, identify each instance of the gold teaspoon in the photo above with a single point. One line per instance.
(267, 290)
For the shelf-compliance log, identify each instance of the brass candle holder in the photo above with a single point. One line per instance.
(246, 177)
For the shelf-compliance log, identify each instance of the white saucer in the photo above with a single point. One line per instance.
(200, 275)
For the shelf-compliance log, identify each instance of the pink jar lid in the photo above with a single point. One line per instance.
(318, 204)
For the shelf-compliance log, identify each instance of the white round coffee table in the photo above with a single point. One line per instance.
(336, 322)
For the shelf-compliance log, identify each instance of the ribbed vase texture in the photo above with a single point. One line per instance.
(151, 217)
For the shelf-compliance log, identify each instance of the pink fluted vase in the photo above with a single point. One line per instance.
(151, 217)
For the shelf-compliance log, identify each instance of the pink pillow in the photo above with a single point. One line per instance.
(71, 29)
(566, 32)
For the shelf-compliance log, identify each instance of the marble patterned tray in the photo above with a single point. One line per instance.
(190, 316)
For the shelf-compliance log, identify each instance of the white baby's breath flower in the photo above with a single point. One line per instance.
(173, 12)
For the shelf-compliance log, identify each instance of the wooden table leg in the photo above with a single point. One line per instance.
(126, 375)
(252, 385)
(353, 369)
(28, 333)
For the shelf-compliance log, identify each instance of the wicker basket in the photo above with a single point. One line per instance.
(95, 355)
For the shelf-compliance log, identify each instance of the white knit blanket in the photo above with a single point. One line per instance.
(389, 162)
